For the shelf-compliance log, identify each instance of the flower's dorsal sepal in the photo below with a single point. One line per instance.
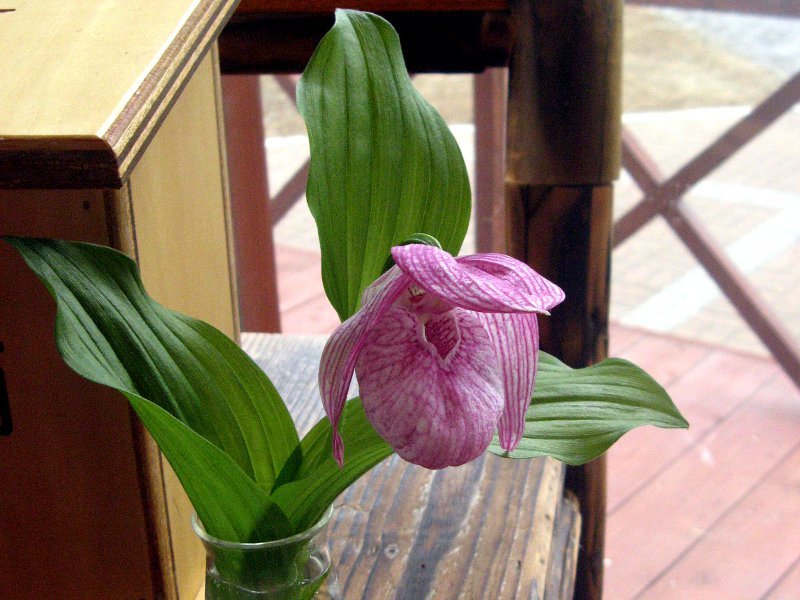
(577, 414)
(416, 238)
(384, 164)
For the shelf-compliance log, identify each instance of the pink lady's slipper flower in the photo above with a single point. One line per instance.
(445, 352)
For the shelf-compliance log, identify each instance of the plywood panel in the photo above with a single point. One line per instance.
(178, 196)
(179, 209)
(91, 102)
(71, 514)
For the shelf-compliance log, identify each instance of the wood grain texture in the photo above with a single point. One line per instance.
(567, 534)
(328, 6)
(706, 402)
(491, 529)
(179, 213)
(73, 522)
(91, 103)
(432, 41)
(564, 92)
(565, 234)
(180, 208)
(563, 151)
(766, 518)
(702, 488)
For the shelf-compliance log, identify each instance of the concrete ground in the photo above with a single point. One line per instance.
(686, 81)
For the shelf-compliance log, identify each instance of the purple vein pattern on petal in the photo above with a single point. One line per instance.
(463, 284)
(430, 384)
(341, 350)
(515, 338)
(547, 293)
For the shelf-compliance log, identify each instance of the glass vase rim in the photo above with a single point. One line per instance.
(200, 531)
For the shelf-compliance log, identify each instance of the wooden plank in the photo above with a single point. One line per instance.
(73, 517)
(489, 108)
(89, 110)
(620, 338)
(180, 208)
(305, 308)
(179, 212)
(744, 297)
(567, 537)
(300, 277)
(433, 41)
(709, 392)
(667, 359)
(787, 586)
(720, 470)
(315, 317)
(327, 6)
(405, 532)
(764, 523)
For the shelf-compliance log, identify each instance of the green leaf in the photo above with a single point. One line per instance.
(384, 165)
(414, 238)
(319, 480)
(229, 504)
(109, 331)
(577, 414)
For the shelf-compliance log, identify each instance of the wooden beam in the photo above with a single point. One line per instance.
(328, 6)
(564, 118)
(657, 199)
(442, 42)
(490, 119)
(758, 315)
(250, 207)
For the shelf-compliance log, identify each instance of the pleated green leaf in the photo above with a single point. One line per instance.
(229, 504)
(318, 479)
(577, 414)
(384, 165)
(109, 331)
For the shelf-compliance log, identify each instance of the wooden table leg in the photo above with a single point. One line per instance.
(563, 153)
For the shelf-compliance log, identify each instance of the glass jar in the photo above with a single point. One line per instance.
(294, 568)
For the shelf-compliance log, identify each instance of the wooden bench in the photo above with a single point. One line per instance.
(494, 528)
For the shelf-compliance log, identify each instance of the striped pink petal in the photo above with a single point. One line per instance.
(341, 350)
(465, 285)
(431, 385)
(546, 293)
(515, 338)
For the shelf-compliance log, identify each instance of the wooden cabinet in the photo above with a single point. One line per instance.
(110, 132)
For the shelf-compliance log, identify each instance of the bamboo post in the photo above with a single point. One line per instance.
(563, 155)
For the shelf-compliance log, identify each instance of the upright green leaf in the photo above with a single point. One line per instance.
(384, 164)
(577, 414)
(319, 480)
(229, 504)
(109, 331)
